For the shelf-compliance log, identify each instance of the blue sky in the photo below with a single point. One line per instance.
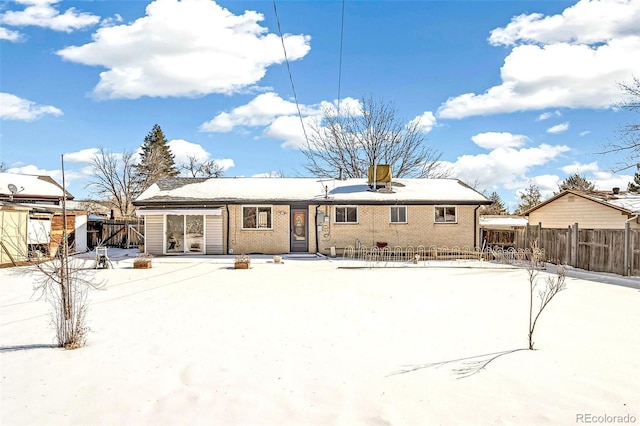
(510, 92)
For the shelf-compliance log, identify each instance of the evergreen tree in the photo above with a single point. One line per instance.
(577, 182)
(529, 197)
(496, 208)
(634, 186)
(156, 160)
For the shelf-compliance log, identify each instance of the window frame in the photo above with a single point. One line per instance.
(406, 218)
(346, 215)
(444, 216)
(257, 212)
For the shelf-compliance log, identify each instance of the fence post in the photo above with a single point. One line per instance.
(574, 245)
(627, 248)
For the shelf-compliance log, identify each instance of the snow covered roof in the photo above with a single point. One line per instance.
(173, 191)
(30, 187)
(502, 221)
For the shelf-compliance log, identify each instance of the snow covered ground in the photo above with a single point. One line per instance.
(192, 342)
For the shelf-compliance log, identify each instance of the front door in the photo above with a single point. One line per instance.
(299, 230)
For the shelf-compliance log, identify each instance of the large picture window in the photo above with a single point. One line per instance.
(346, 214)
(256, 217)
(446, 214)
(398, 214)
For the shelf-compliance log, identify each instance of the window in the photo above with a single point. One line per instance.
(347, 214)
(256, 217)
(446, 214)
(398, 214)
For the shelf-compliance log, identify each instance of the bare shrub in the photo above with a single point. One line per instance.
(65, 284)
(553, 285)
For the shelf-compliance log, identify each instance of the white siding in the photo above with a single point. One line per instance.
(213, 237)
(154, 234)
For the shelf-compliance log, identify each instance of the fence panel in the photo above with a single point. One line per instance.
(116, 233)
(601, 250)
(555, 243)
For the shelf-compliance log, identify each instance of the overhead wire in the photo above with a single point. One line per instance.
(340, 59)
(286, 58)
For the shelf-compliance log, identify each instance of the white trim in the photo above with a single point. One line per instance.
(406, 214)
(346, 206)
(184, 212)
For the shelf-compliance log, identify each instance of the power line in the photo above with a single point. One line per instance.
(340, 60)
(293, 88)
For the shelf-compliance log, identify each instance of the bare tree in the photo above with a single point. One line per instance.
(629, 135)
(114, 179)
(553, 286)
(197, 168)
(346, 143)
(3, 166)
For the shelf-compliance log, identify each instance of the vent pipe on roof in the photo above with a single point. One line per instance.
(616, 190)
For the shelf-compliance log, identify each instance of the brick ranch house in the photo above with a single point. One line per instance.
(305, 215)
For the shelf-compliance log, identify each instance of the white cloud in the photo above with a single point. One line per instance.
(586, 22)
(41, 13)
(260, 111)
(580, 168)
(182, 150)
(184, 48)
(9, 35)
(426, 121)
(83, 156)
(559, 128)
(491, 140)
(506, 166)
(584, 133)
(548, 115)
(289, 129)
(15, 108)
(567, 60)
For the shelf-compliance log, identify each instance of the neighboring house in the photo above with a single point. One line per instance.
(501, 230)
(590, 210)
(305, 215)
(43, 197)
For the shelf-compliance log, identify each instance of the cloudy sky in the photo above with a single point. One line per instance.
(510, 92)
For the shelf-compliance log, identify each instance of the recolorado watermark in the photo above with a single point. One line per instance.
(605, 418)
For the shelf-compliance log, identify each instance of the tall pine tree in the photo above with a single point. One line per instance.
(496, 208)
(156, 160)
(634, 186)
(577, 182)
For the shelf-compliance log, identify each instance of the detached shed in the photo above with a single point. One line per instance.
(501, 230)
(13, 233)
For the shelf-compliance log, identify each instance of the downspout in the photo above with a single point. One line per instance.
(475, 226)
(227, 238)
(315, 222)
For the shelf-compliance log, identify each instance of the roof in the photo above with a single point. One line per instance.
(182, 191)
(31, 187)
(627, 202)
(502, 220)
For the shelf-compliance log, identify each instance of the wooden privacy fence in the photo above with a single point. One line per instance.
(117, 233)
(600, 250)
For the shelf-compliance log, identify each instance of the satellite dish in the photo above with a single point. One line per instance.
(13, 189)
